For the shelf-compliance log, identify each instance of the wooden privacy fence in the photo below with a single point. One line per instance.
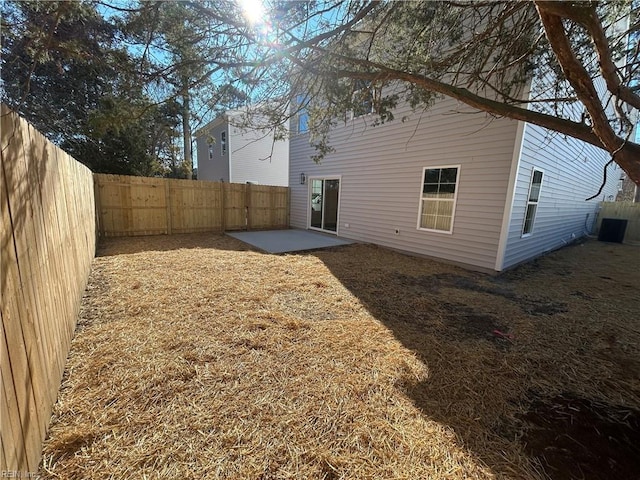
(48, 242)
(156, 206)
(49, 205)
(629, 211)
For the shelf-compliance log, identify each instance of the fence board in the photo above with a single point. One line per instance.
(235, 206)
(12, 439)
(32, 283)
(195, 206)
(18, 306)
(35, 147)
(155, 206)
(268, 206)
(131, 205)
(48, 243)
(629, 211)
(46, 156)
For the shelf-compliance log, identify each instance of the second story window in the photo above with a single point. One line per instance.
(223, 142)
(363, 98)
(303, 121)
(211, 146)
(302, 115)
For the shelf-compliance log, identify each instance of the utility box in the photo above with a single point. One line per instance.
(612, 230)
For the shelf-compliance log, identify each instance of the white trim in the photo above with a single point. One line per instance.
(339, 178)
(310, 180)
(297, 119)
(511, 196)
(454, 201)
(308, 203)
(228, 159)
(537, 202)
(300, 111)
(353, 117)
(206, 129)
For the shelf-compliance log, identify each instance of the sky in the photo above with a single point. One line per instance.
(253, 10)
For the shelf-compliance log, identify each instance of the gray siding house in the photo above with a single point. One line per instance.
(450, 183)
(230, 153)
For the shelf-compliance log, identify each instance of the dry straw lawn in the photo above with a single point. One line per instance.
(196, 357)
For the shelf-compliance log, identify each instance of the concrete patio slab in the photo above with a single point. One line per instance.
(282, 241)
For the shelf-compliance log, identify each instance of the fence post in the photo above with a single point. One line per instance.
(98, 213)
(272, 208)
(247, 187)
(222, 207)
(288, 208)
(167, 194)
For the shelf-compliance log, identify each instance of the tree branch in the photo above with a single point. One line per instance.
(579, 79)
(585, 14)
(574, 129)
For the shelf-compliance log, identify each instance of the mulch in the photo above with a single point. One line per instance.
(197, 357)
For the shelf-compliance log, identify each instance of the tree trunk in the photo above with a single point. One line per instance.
(628, 157)
(186, 130)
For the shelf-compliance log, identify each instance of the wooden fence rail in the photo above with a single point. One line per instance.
(156, 206)
(48, 242)
(629, 211)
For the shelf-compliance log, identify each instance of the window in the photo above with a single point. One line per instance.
(532, 202)
(303, 121)
(211, 151)
(223, 142)
(302, 117)
(438, 198)
(363, 98)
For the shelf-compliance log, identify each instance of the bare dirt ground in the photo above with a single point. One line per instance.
(196, 357)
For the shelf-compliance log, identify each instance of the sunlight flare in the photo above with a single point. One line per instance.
(253, 11)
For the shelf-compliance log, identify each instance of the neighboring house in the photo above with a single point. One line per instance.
(449, 183)
(228, 152)
(627, 190)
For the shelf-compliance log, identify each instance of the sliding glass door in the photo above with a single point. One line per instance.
(323, 204)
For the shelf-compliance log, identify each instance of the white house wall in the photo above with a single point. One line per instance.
(255, 157)
(573, 171)
(381, 180)
(250, 155)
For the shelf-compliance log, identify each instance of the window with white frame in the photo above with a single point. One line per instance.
(223, 142)
(302, 125)
(302, 116)
(438, 198)
(532, 202)
(363, 98)
(211, 147)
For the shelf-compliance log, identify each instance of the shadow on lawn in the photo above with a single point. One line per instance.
(495, 353)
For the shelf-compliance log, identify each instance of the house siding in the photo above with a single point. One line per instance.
(573, 171)
(381, 179)
(627, 190)
(257, 158)
(217, 168)
(251, 155)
